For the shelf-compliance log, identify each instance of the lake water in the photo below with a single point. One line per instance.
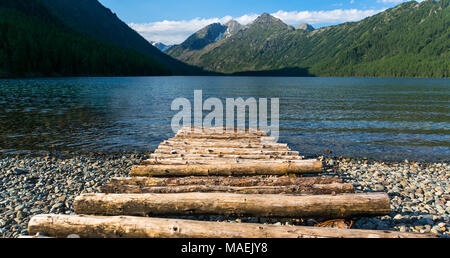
(355, 117)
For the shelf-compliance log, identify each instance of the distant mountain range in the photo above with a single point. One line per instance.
(409, 40)
(161, 46)
(79, 38)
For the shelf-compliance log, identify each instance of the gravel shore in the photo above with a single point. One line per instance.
(29, 186)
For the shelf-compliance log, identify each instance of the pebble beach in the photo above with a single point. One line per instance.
(32, 185)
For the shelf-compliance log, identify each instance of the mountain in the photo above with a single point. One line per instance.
(160, 46)
(36, 43)
(305, 26)
(409, 40)
(199, 40)
(91, 18)
(206, 36)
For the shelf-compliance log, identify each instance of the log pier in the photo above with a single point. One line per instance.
(208, 171)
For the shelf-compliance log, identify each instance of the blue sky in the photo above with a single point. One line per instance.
(172, 21)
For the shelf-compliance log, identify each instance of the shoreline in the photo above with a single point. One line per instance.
(39, 184)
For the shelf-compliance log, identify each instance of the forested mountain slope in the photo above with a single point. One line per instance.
(410, 40)
(89, 17)
(35, 43)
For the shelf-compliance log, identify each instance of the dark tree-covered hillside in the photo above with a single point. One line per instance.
(34, 43)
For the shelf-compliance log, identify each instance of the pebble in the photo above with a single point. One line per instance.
(32, 185)
(416, 191)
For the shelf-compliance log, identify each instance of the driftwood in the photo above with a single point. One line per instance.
(227, 147)
(223, 144)
(232, 151)
(223, 156)
(247, 169)
(224, 181)
(251, 185)
(221, 130)
(136, 227)
(216, 162)
(260, 141)
(253, 205)
(292, 190)
(224, 136)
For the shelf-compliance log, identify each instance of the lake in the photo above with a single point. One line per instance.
(354, 117)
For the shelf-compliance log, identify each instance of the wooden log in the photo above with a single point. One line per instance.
(221, 156)
(262, 168)
(226, 137)
(61, 226)
(223, 128)
(228, 151)
(213, 132)
(252, 205)
(223, 147)
(214, 162)
(225, 181)
(314, 189)
(229, 135)
(225, 144)
(236, 141)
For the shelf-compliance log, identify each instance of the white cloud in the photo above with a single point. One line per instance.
(175, 32)
(324, 17)
(171, 32)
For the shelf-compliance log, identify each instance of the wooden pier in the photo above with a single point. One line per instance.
(215, 172)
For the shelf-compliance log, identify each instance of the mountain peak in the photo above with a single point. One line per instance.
(232, 27)
(207, 35)
(305, 26)
(266, 18)
(232, 23)
(161, 46)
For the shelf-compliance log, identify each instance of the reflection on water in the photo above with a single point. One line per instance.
(379, 118)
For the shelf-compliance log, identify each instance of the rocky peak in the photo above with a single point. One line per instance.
(204, 37)
(232, 27)
(305, 26)
(266, 18)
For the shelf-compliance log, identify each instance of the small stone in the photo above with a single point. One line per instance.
(19, 171)
(19, 207)
(398, 217)
(57, 206)
(61, 199)
(402, 228)
(378, 187)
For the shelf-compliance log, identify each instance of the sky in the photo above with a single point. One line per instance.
(172, 21)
